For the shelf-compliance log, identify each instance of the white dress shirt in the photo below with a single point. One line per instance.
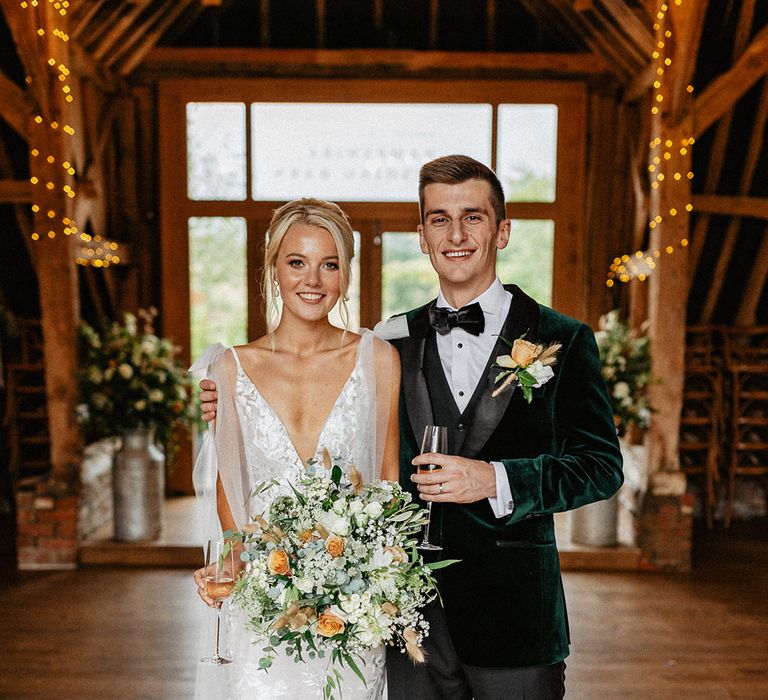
(464, 357)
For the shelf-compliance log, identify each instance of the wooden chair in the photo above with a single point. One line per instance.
(702, 415)
(746, 358)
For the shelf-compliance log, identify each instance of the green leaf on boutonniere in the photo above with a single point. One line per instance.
(527, 382)
(501, 376)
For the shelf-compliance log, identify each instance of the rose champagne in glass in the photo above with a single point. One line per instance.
(219, 583)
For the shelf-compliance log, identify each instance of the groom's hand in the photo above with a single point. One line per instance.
(208, 399)
(460, 480)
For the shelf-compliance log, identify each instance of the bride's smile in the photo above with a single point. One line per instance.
(307, 272)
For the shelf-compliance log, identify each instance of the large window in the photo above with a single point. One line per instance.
(250, 146)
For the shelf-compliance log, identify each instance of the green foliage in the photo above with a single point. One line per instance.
(131, 379)
(625, 357)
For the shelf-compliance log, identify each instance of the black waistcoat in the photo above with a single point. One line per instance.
(444, 408)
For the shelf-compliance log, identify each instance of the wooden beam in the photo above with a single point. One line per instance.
(615, 34)
(754, 207)
(731, 234)
(137, 55)
(120, 29)
(640, 84)
(490, 25)
(722, 94)
(30, 49)
(747, 313)
(630, 24)
(582, 24)
(15, 106)
(100, 24)
(21, 211)
(720, 142)
(685, 39)
(79, 20)
(15, 192)
(98, 73)
(667, 294)
(177, 62)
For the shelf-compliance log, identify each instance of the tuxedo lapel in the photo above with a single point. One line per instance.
(415, 390)
(523, 317)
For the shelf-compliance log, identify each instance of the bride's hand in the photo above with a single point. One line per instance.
(199, 577)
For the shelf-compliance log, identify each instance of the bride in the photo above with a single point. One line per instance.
(304, 387)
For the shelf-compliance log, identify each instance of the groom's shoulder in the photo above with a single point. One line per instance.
(554, 325)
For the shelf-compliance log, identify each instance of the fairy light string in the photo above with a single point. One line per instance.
(640, 264)
(53, 179)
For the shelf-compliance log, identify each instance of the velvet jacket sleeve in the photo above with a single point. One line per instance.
(585, 462)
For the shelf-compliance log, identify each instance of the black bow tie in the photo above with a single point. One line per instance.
(471, 318)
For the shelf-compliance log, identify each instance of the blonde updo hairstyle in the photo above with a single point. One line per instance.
(313, 212)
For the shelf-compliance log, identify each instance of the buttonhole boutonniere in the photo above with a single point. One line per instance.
(528, 364)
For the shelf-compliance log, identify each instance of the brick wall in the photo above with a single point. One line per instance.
(665, 531)
(47, 524)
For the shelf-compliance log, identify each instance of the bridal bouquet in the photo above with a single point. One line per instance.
(332, 570)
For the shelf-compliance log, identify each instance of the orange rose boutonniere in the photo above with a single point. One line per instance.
(528, 364)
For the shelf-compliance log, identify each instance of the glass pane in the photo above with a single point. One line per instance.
(353, 305)
(358, 152)
(527, 152)
(527, 260)
(216, 150)
(218, 287)
(407, 277)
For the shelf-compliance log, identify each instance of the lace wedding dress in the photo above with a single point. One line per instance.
(262, 447)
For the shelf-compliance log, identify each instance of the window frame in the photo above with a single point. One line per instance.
(370, 218)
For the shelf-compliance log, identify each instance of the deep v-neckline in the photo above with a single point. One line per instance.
(281, 422)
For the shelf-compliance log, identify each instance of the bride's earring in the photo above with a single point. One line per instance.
(277, 288)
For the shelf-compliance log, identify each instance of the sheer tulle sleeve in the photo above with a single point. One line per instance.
(221, 454)
(376, 360)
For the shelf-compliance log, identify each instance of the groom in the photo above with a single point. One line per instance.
(511, 464)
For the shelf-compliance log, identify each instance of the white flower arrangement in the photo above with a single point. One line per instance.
(625, 359)
(333, 570)
(130, 378)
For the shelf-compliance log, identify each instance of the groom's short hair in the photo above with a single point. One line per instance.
(453, 170)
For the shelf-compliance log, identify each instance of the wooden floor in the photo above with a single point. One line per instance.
(131, 633)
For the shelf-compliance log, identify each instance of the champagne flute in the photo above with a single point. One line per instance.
(219, 582)
(435, 440)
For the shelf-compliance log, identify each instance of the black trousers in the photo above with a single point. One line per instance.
(444, 677)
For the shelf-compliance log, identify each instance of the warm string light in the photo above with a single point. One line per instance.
(96, 251)
(640, 264)
(51, 217)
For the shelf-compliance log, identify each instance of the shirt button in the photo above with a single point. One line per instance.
(461, 393)
(460, 345)
(461, 427)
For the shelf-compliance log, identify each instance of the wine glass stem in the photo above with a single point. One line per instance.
(425, 539)
(218, 626)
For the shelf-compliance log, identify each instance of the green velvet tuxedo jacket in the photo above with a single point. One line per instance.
(504, 601)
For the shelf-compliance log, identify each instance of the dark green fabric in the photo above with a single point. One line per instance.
(504, 601)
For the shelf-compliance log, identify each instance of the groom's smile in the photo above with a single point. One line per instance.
(461, 236)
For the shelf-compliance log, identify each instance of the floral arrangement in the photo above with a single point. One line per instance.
(332, 570)
(626, 367)
(528, 364)
(131, 379)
